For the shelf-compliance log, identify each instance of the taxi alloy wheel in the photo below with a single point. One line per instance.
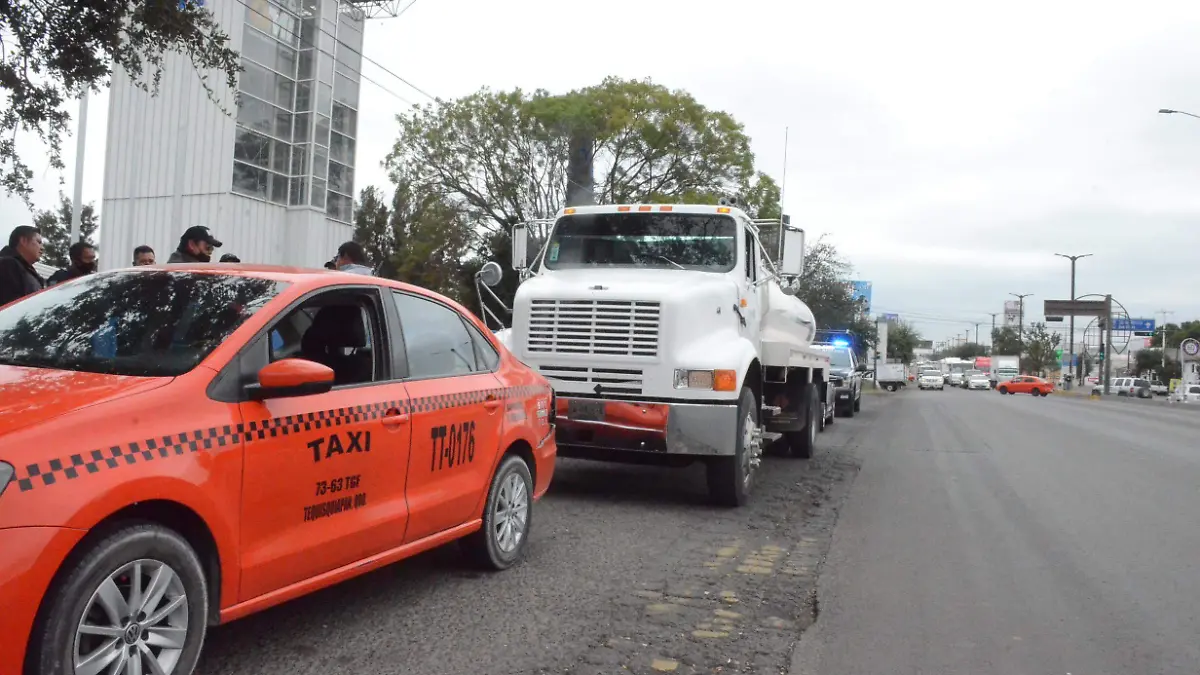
(135, 602)
(507, 517)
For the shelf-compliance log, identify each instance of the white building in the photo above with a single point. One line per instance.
(274, 179)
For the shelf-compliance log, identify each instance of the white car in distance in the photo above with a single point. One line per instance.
(980, 381)
(931, 379)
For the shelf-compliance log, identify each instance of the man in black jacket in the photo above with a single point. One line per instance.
(83, 261)
(18, 277)
(195, 246)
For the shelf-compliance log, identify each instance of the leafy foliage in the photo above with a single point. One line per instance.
(53, 51)
(902, 339)
(823, 287)
(55, 227)
(1148, 360)
(1040, 345)
(1006, 341)
(1177, 333)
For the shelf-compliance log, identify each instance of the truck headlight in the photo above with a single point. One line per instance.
(6, 476)
(711, 380)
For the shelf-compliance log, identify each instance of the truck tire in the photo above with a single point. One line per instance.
(730, 478)
(858, 401)
(803, 443)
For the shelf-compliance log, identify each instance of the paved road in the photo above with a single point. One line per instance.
(628, 572)
(1007, 534)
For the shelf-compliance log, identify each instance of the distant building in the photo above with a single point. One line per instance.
(274, 181)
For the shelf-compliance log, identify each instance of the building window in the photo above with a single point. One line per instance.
(341, 148)
(341, 178)
(340, 208)
(344, 120)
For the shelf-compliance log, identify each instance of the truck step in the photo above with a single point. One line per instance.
(771, 410)
(771, 436)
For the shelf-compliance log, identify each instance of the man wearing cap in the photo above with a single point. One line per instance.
(195, 246)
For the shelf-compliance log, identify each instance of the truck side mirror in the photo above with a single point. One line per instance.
(520, 246)
(490, 274)
(792, 263)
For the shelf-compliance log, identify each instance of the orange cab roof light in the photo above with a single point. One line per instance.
(568, 211)
(666, 208)
(622, 208)
(722, 209)
(645, 208)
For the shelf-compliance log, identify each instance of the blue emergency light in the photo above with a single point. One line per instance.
(841, 343)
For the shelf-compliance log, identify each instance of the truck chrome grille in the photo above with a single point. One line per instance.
(611, 380)
(594, 327)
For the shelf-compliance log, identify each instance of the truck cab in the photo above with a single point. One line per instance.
(671, 335)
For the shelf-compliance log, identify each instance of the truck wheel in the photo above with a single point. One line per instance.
(803, 443)
(136, 600)
(730, 478)
(858, 401)
(891, 387)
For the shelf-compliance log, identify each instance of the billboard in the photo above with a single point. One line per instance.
(1012, 313)
(862, 289)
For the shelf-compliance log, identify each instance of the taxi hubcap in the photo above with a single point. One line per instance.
(135, 622)
(511, 513)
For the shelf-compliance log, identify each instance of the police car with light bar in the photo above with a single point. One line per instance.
(845, 374)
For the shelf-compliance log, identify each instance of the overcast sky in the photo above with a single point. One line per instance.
(947, 149)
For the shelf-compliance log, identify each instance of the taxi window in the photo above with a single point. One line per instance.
(158, 323)
(334, 329)
(437, 342)
(485, 354)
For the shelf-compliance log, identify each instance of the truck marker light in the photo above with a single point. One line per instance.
(644, 208)
(743, 301)
(722, 209)
(622, 208)
(666, 208)
(568, 211)
(724, 380)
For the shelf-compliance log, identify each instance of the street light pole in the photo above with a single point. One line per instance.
(1163, 345)
(1021, 316)
(1168, 111)
(1073, 258)
(80, 146)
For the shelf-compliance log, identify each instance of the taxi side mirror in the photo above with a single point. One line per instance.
(291, 377)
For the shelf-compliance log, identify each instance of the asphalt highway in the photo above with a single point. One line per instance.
(1008, 534)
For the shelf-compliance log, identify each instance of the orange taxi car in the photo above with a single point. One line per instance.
(1027, 384)
(182, 446)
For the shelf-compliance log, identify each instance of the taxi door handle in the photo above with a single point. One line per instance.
(394, 418)
(491, 404)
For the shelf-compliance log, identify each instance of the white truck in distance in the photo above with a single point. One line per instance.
(1005, 368)
(668, 338)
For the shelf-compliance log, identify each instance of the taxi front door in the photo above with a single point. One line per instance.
(324, 477)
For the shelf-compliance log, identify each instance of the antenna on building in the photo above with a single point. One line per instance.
(376, 9)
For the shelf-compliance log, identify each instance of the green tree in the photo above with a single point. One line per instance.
(501, 157)
(53, 51)
(1006, 341)
(902, 339)
(373, 229)
(55, 226)
(825, 289)
(1040, 345)
(1151, 360)
(968, 350)
(1177, 333)
(433, 238)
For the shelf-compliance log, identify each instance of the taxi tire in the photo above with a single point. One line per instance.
(726, 476)
(70, 594)
(480, 546)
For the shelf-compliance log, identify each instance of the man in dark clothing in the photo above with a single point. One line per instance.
(230, 258)
(18, 277)
(195, 246)
(143, 255)
(83, 261)
(351, 257)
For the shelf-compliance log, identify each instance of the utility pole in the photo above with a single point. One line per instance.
(968, 338)
(1073, 258)
(977, 329)
(993, 333)
(1163, 344)
(80, 146)
(1021, 315)
(1107, 344)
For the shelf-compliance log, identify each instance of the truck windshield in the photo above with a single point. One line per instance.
(701, 242)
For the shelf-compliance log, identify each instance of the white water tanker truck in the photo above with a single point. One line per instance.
(670, 336)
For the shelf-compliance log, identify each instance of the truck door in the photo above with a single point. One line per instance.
(752, 301)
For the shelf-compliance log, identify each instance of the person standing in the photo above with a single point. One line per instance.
(351, 257)
(195, 246)
(83, 261)
(143, 255)
(18, 276)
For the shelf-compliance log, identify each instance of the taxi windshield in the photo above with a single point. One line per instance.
(706, 243)
(155, 324)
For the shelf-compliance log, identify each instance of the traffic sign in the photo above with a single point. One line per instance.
(1190, 347)
(1134, 326)
(1054, 318)
(1074, 307)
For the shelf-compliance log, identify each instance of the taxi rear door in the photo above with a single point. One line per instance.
(324, 476)
(458, 410)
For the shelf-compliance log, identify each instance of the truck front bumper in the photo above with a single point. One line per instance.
(588, 425)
